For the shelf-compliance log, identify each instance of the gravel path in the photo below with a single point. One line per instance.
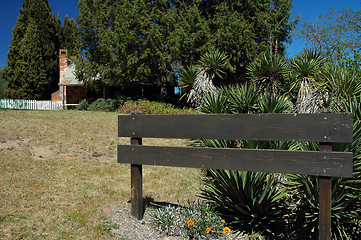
(131, 228)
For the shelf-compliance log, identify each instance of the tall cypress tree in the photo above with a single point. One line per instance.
(32, 63)
(126, 40)
(244, 29)
(69, 36)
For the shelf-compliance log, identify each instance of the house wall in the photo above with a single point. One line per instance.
(57, 96)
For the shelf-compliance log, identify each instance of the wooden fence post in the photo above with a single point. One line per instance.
(136, 182)
(325, 183)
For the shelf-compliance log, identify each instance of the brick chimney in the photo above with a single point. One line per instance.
(63, 63)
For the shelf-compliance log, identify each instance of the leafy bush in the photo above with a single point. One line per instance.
(106, 105)
(150, 107)
(83, 106)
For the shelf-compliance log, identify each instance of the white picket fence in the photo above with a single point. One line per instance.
(31, 104)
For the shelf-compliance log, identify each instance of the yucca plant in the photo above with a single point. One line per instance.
(187, 77)
(268, 72)
(214, 63)
(272, 103)
(240, 98)
(250, 201)
(305, 70)
(217, 102)
(340, 82)
(243, 98)
(346, 192)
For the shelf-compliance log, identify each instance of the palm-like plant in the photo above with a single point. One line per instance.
(268, 72)
(217, 102)
(212, 64)
(306, 66)
(342, 83)
(273, 103)
(250, 201)
(305, 70)
(187, 77)
(243, 98)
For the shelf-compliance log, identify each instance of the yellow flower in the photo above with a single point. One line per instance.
(208, 229)
(190, 222)
(226, 230)
(223, 221)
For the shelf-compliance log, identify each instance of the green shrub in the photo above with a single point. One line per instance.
(150, 107)
(99, 105)
(106, 105)
(83, 106)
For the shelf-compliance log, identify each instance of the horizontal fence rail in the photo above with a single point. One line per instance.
(31, 104)
(336, 164)
(323, 127)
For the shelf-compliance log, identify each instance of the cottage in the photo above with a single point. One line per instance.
(71, 90)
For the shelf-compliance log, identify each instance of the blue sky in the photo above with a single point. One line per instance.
(308, 10)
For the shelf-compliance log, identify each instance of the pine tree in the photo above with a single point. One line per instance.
(32, 63)
(144, 40)
(69, 36)
(244, 29)
(2, 84)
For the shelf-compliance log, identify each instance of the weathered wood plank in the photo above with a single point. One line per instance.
(335, 164)
(323, 127)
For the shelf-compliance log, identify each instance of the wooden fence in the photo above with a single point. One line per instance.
(31, 104)
(324, 128)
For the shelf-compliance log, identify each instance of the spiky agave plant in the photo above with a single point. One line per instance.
(187, 77)
(214, 63)
(346, 192)
(243, 98)
(268, 72)
(273, 103)
(252, 202)
(217, 102)
(305, 70)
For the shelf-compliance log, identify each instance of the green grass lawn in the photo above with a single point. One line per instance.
(59, 178)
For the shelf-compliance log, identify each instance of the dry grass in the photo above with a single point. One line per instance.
(59, 178)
